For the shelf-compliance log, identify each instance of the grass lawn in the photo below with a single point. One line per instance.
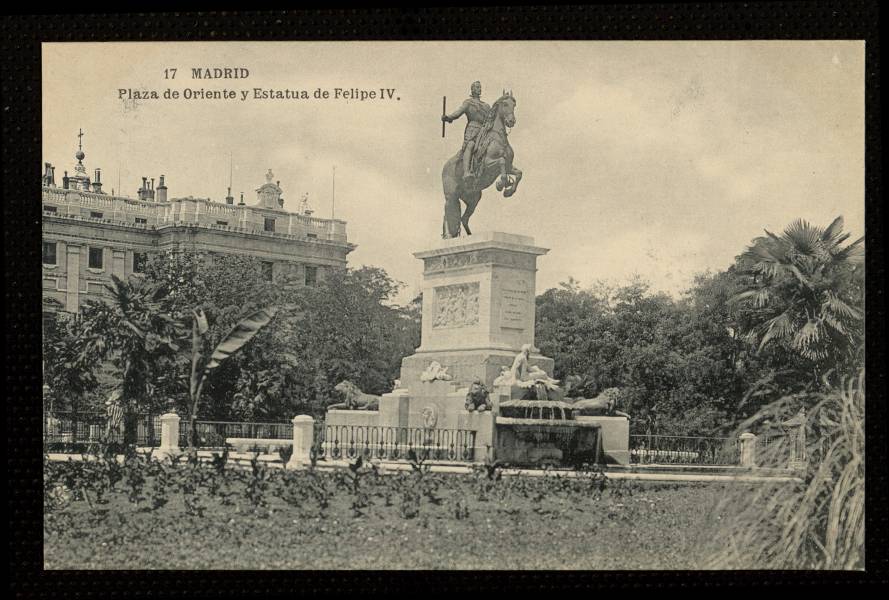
(276, 520)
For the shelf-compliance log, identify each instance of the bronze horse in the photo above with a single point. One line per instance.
(496, 155)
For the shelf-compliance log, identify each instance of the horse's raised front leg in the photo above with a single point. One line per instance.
(517, 177)
(504, 175)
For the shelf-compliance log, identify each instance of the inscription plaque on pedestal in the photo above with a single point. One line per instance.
(514, 305)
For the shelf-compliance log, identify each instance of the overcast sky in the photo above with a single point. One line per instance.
(661, 159)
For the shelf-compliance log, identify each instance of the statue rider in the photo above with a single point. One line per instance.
(476, 113)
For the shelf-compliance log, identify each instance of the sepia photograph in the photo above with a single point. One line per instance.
(453, 305)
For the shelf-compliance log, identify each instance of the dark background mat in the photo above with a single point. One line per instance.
(21, 162)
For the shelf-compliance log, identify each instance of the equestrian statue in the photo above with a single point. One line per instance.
(484, 158)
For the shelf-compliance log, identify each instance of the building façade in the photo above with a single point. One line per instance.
(89, 235)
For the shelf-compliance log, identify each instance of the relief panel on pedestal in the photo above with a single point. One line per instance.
(456, 305)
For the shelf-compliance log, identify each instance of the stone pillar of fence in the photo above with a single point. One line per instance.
(482, 424)
(747, 442)
(303, 438)
(798, 456)
(169, 436)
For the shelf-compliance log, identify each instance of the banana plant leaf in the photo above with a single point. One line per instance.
(242, 333)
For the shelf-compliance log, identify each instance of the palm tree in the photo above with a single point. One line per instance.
(138, 337)
(805, 292)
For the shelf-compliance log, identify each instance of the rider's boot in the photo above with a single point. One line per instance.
(467, 160)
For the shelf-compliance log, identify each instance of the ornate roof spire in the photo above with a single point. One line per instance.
(79, 168)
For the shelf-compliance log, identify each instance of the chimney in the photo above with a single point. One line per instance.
(97, 184)
(162, 191)
(241, 203)
(48, 179)
(65, 181)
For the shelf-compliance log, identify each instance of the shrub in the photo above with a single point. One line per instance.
(818, 524)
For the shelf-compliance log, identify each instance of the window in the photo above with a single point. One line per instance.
(49, 253)
(96, 258)
(139, 259)
(94, 214)
(223, 223)
(269, 224)
(312, 236)
(50, 208)
(311, 275)
(141, 220)
(268, 271)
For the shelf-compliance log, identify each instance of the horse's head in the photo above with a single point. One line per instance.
(504, 109)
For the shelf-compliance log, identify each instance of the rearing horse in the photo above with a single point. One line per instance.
(496, 155)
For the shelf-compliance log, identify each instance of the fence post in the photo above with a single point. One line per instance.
(303, 437)
(747, 442)
(169, 436)
(798, 456)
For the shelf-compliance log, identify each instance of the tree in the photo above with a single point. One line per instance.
(681, 364)
(70, 366)
(141, 341)
(223, 287)
(242, 333)
(805, 293)
(344, 327)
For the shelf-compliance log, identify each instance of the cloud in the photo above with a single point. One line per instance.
(656, 158)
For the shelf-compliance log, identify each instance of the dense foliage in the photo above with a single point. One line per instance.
(344, 327)
(69, 368)
(785, 317)
(701, 364)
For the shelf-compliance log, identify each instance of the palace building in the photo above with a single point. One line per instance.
(90, 235)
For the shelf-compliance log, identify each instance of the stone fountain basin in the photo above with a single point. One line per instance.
(526, 424)
(547, 441)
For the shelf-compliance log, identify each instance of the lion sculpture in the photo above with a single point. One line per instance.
(477, 397)
(354, 398)
(602, 405)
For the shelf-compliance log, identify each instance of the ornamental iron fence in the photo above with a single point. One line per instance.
(684, 450)
(392, 443)
(69, 431)
(213, 434)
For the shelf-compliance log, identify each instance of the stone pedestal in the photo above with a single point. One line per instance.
(479, 300)
(478, 311)
(478, 308)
